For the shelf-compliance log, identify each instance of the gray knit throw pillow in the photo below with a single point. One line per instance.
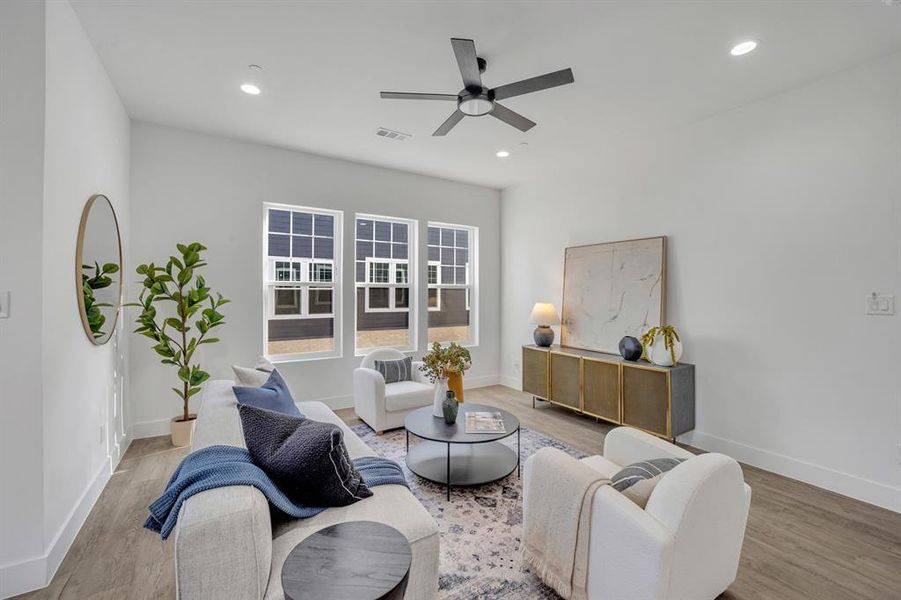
(306, 459)
(638, 480)
(395, 370)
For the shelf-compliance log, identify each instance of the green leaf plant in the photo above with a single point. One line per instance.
(670, 337)
(99, 280)
(440, 361)
(193, 307)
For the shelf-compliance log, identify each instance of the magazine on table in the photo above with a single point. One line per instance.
(484, 422)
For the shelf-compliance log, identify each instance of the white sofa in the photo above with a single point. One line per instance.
(385, 406)
(228, 546)
(685, 544)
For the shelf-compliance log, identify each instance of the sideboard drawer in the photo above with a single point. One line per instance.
(535, 372)
(646, 399)
(566, 380)
(600, 389)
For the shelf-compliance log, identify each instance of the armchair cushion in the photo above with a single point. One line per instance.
(406, 395)
(638, 480)
(395, 370)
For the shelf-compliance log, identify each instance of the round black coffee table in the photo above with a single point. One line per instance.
(450, 456)
(356, 560)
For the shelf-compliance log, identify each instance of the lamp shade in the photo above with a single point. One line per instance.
(544, 313)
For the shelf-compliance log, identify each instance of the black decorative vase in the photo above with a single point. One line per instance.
(449, 407)
(630, 348)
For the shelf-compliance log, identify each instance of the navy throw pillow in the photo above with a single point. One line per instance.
(306, 459)
(272, 395)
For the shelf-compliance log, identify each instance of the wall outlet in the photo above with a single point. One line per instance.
(880, 304)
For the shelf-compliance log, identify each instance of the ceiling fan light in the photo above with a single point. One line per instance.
(476, 107)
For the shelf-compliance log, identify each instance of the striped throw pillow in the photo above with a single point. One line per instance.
(638, 480)
(395, 370)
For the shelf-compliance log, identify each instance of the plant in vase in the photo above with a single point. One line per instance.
(662, 345)
(444, 366)
(193, 306)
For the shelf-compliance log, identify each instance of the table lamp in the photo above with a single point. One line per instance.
(544, 315)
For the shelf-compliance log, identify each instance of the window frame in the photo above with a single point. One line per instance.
(472, 278)
(305, 283)
(412, 282)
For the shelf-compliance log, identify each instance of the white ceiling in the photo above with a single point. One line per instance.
(640, 67)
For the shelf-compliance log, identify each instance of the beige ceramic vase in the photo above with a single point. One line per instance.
(183, 431)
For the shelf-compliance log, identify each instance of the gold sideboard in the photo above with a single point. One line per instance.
(659, 400)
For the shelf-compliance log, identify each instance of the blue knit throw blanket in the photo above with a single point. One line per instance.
(221, 466)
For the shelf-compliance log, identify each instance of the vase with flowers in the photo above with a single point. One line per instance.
(442, 364)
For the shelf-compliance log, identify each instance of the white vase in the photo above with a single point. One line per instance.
(440, 393)
(659, 354)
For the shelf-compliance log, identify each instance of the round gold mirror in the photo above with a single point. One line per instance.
(98, 269)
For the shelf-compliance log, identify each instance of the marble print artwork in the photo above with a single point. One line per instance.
(480, 527)
(612, 290)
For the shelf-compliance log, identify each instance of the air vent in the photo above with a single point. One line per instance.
(391, 134)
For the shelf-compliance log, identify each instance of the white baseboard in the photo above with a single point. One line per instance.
(146, 429)
(36, 573)
(839, 482)
(511, 382)
(471, 383)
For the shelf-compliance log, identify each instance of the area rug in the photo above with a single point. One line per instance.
(481, 527)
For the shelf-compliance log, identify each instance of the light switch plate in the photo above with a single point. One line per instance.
(880, 304)
(4, 305)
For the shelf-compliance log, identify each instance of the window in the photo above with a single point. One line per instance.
(452, 290)
(301, 280)
(384, 246)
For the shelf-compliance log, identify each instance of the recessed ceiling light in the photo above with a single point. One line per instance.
(249, 88)
(743, 48)
(502, 154)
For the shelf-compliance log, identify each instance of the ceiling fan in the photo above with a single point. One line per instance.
(475, 100)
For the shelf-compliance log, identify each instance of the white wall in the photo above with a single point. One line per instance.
(782, 216)
(192, 187)
(73, 432)
(86, 152)
(21, 193)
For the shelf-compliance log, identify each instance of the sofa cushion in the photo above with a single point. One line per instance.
(638, 480)
(603, 466)
(272, 395)
(405, 395)
(305, 458)
(395, 370)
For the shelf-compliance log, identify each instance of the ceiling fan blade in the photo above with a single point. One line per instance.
(452, 120)
(417, 96)
(465, 51)
(534, 84)
(511, 118)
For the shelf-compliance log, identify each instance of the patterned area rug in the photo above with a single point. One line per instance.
(480, 526)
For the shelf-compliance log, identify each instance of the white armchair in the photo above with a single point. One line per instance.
(385, 406)
(685, 544)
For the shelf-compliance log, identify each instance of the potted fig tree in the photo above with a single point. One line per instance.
(191, 312)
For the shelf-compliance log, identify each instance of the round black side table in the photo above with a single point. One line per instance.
(357, 560)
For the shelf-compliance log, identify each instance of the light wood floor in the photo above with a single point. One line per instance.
(801, 542)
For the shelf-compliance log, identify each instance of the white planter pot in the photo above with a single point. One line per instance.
(440, 393)
(182, 431)
(658, 353)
